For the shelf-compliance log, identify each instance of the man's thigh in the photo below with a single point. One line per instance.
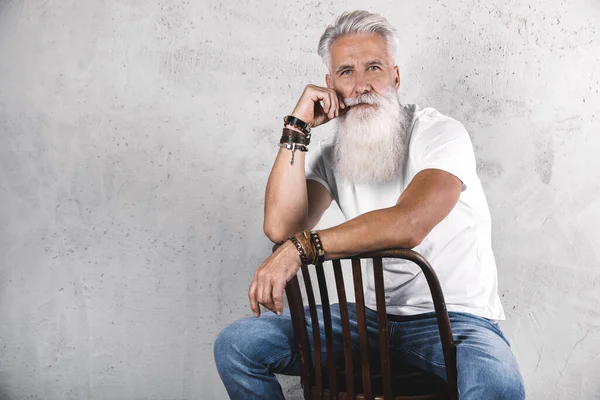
(269, 339)
(484, 358)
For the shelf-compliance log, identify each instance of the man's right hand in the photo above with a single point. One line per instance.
(310, 110)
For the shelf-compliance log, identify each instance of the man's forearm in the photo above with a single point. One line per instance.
(286, 198)
(427, 200)
(376, 230)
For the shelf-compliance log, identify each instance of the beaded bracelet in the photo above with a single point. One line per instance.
(296, 123)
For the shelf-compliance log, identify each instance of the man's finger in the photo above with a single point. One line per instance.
(341, 101)
(326, 104)
(252, 297)
(278, 289)
(334, 105)
(343, 107)
(266, 298)
(263, 295)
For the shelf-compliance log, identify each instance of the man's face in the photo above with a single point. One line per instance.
(361, 64)
(370, 143)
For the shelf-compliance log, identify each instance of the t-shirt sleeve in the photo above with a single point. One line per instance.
(446, 145)
(315, 168)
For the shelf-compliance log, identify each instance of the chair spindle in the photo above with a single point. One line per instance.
(362, 329)
(346, 335)
(314, 319)
(384, 348)
(331, 364)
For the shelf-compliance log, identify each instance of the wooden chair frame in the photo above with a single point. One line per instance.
(312, 379)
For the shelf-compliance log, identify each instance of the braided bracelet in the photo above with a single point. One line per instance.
(304, 239)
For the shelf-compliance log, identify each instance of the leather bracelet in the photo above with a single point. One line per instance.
(291, 140)
(295, 132)
(286, 138)
(297, 123)
(318, 245)
(296, 136)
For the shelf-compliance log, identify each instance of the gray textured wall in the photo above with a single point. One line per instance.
(136, 138)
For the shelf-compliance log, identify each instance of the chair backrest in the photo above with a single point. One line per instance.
(312, 379)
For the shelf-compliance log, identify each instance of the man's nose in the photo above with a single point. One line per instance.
(362, 85)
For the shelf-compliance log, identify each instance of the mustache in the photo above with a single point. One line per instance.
(365, 98)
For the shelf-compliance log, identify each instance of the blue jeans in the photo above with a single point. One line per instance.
(249, 351)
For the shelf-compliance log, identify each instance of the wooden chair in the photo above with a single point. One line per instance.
(365, 379)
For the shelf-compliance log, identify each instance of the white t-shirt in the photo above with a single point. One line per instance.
(459, 248)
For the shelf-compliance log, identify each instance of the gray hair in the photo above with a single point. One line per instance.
(357, 22)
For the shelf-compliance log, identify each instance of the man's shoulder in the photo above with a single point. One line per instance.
(427, 116)
(428, 123)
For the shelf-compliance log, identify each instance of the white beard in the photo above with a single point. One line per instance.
(370, 143)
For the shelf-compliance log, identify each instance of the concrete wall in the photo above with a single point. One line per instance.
(136, 138)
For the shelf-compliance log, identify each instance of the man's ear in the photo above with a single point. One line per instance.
(329, 81)
(397, 76)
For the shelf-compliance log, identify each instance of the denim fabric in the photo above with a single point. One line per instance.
(249, 351)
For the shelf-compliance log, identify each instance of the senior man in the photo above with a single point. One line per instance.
(404, 177)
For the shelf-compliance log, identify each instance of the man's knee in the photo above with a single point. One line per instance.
(506, 387)
(503, 383)
(227, 345)
(221, 347)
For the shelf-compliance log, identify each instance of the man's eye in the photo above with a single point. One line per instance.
(346, 72)
(374, 68)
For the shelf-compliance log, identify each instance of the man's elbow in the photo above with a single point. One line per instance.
(275, 234)
(409, 241)
(413, 233)
(413, 241)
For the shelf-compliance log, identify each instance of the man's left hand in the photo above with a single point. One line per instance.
(271, 277)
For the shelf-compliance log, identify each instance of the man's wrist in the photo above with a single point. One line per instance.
(300, 243)
(309, 247)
